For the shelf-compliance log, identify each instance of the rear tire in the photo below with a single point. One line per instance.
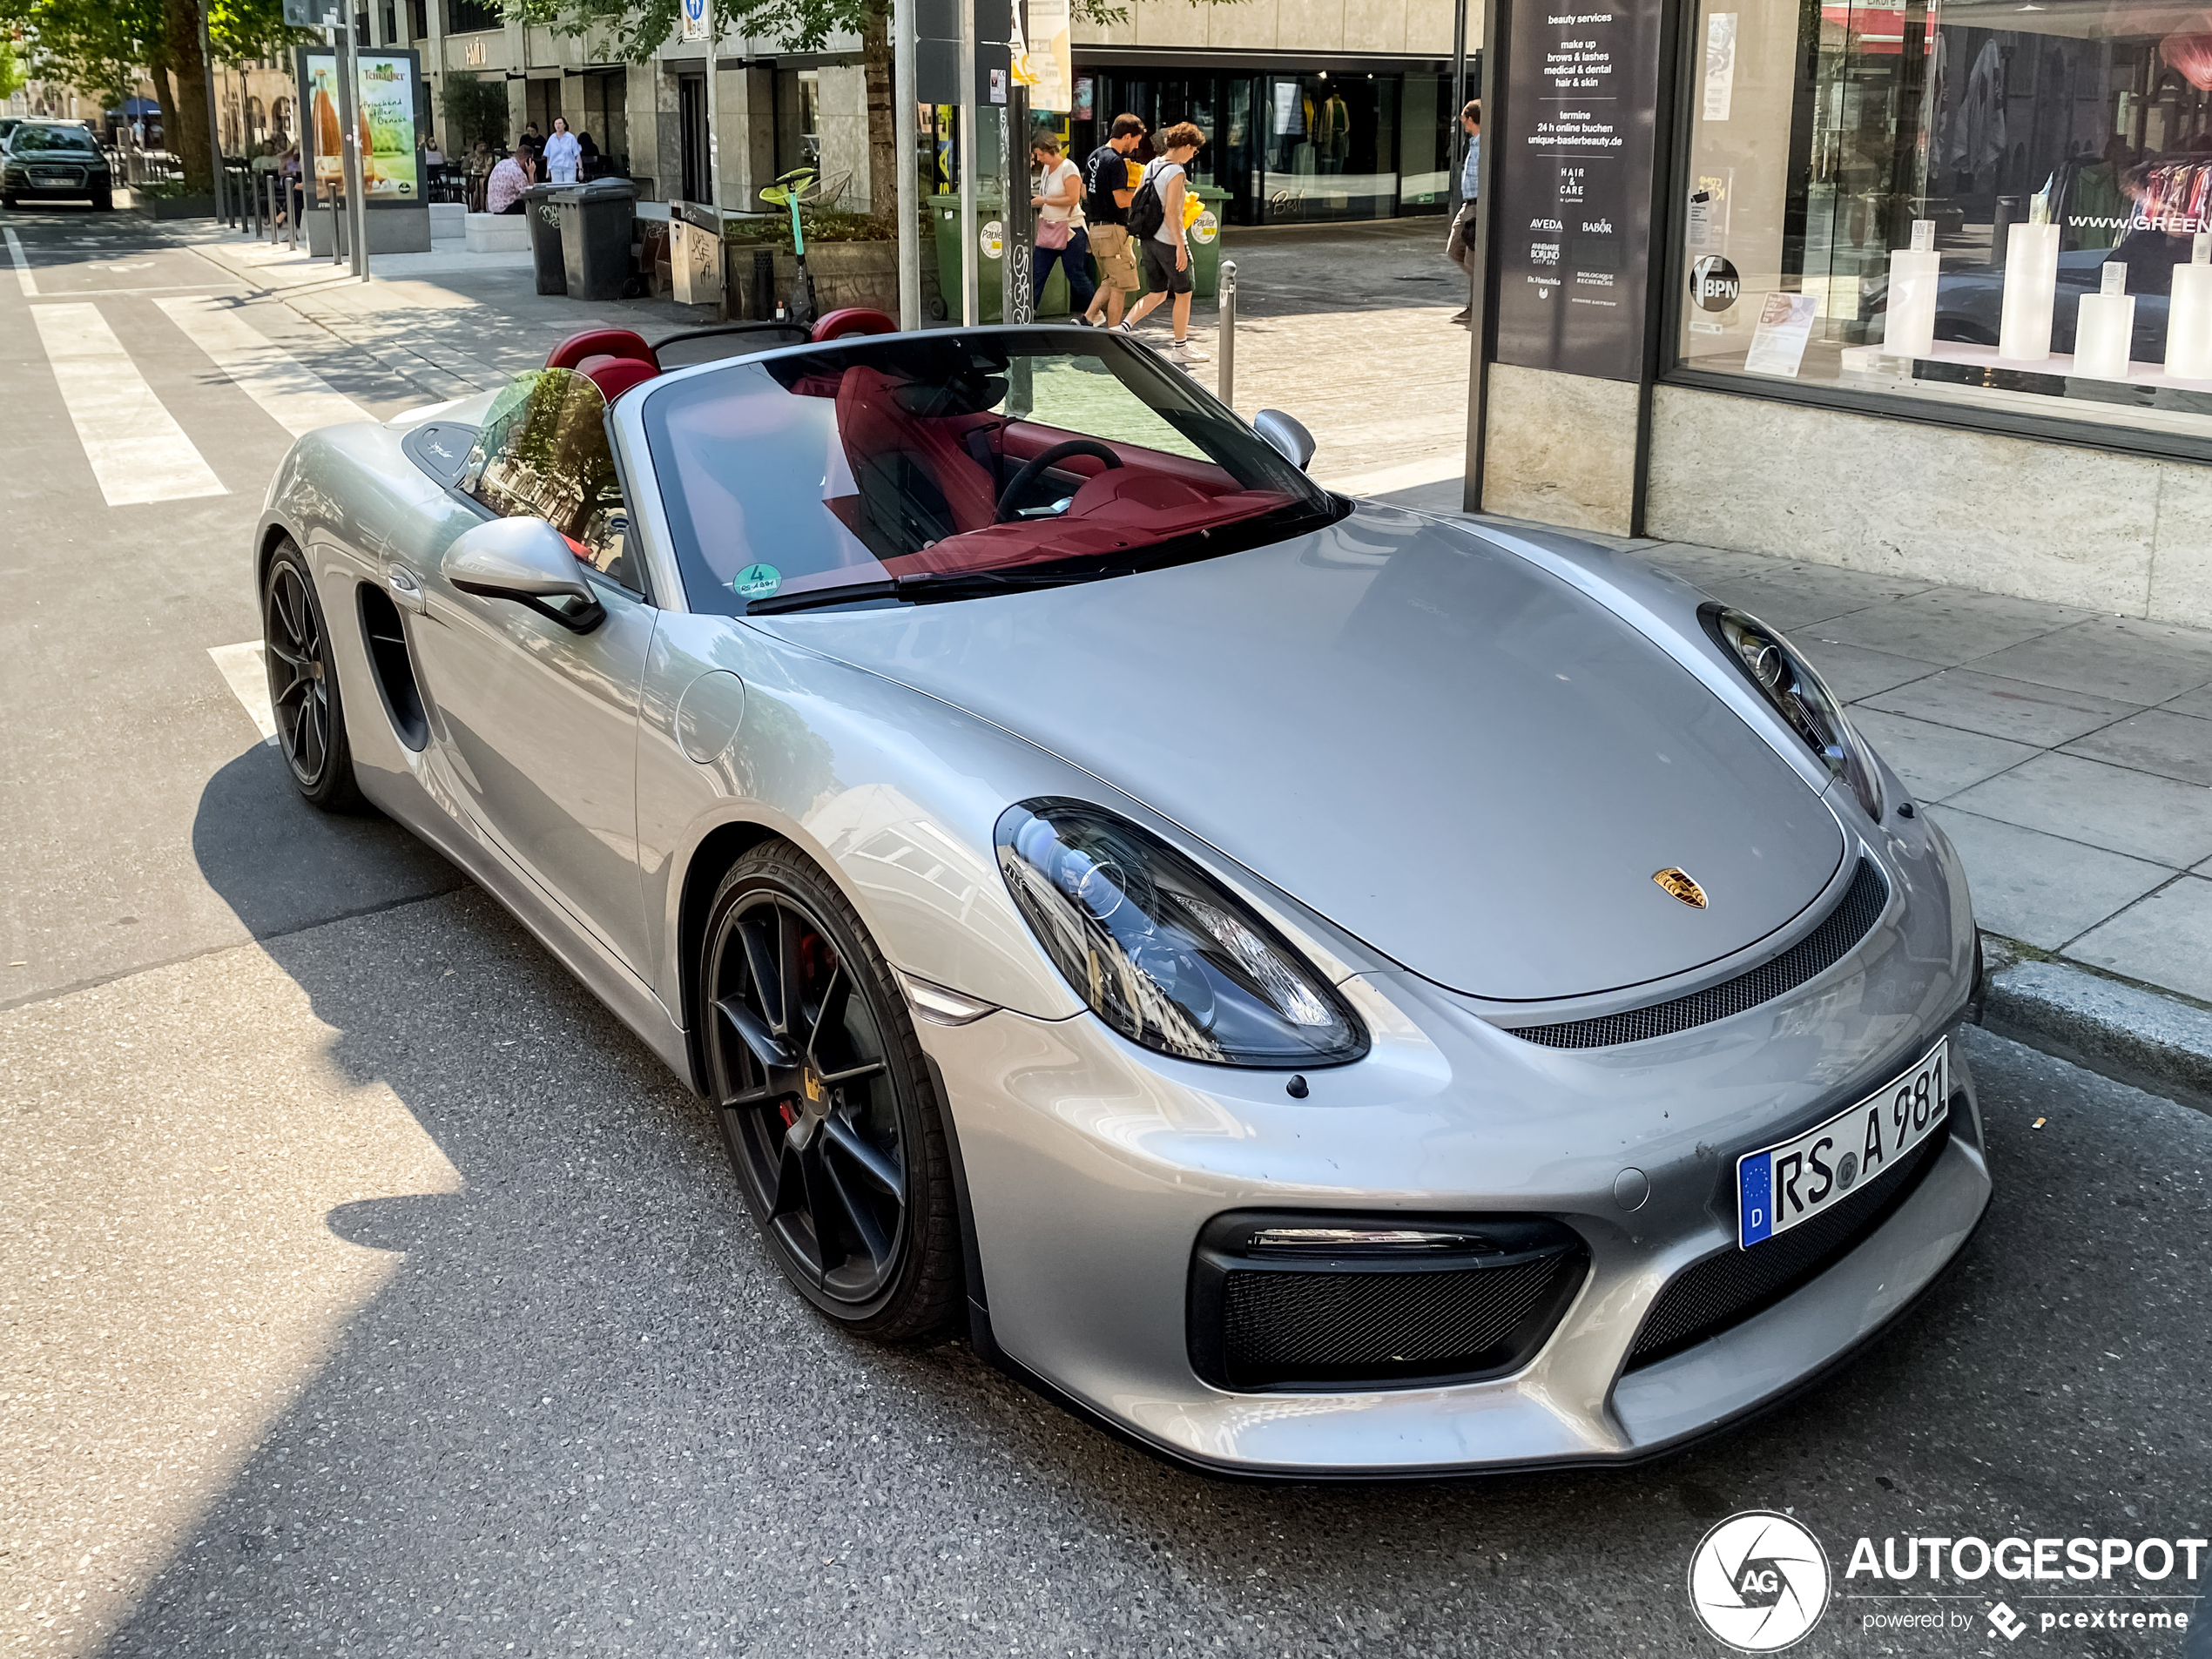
(303, 685)
(826, 1105)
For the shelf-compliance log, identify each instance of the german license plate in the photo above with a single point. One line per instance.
(1781, 1186)
(53, 179)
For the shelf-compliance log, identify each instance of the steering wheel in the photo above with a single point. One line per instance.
(1030, 473)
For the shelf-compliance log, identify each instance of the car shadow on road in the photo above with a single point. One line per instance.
(585, 1414)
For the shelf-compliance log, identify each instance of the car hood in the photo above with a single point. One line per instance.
(1452, 754)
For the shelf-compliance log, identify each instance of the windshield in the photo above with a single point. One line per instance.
(917, 466)
(28, 139)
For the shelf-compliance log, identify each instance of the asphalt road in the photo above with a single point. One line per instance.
(367, 1290)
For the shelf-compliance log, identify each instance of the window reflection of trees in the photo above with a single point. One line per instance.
(543, 454)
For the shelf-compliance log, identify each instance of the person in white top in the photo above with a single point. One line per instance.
(1061, 233)
(1167, 250)
(561, 158)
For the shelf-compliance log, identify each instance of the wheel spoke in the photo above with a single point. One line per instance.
(286, 603)
(760, 963)
(872, 1163)
(767, 1048)
(790, 927)
(860, 1216)
(758, 1096)
(315, 714)
(293, 658)
(834, 995)
(824, 1206)
(851, 1074)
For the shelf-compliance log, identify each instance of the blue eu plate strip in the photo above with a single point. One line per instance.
(1755, 1198)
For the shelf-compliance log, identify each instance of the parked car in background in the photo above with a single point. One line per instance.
(54, 161)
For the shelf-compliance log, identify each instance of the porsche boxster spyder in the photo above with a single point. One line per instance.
(1323, 989)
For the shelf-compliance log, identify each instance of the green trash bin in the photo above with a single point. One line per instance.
(945, 210)
(1205, 245)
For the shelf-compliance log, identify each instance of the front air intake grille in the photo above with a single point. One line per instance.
(1329, 1319)
(1818, 951)
(1725, 1289)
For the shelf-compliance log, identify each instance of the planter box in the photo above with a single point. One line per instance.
(846, 274)
(498, 233)
(174, 206)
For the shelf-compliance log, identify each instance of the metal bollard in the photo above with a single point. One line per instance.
(1225, 346)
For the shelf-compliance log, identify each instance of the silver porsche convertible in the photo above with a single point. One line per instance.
(1322, 989)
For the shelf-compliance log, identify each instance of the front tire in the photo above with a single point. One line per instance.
(104, 202)
(303, 685)
(825, 1100)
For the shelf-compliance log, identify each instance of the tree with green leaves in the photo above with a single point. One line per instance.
(99, 46)
(637, 28)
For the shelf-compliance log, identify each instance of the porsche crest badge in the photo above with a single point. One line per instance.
(1679, 884)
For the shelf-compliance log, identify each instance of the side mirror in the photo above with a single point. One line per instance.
(1286, 435)
(528, 561)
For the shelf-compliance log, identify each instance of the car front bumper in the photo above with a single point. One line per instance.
(1091, 1166)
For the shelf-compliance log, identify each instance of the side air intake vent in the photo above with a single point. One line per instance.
(1331, 1303)
(394, 669)
(1818, 951)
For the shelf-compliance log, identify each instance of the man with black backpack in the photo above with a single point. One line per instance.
(1156, 221)
(1107, 190)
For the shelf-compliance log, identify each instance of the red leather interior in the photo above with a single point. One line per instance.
(853, 320)
(873, 424)
(601, 343)
(615, 375)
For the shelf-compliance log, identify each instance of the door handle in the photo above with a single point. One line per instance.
(405, 587)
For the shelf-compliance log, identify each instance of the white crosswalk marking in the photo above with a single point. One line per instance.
(300, 398)
(241, 668)
(138, 452)
(24, 281)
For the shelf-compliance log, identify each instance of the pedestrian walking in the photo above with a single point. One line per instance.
(1460, 243)
(1107, 191)
(1062, 238)
(1157, 219)
(562, 155)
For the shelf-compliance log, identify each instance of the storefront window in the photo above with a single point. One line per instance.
(1984, 202)
(1331, 147)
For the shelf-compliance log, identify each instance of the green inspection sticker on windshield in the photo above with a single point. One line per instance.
(757, 580)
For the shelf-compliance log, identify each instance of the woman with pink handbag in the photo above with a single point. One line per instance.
(1060, 237)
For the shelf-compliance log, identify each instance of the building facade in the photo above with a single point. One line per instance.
(1923, 289)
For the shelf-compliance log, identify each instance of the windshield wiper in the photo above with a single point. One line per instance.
(926, 585)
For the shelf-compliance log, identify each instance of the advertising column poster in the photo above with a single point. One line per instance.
(1574, 212)
(384, 105)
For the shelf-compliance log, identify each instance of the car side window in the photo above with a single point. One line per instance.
(542, 453)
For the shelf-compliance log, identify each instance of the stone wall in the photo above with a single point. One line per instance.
(2122, 534)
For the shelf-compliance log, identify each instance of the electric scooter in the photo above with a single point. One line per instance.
(785, 192)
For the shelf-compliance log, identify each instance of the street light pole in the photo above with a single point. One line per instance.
(713, 125)
(349, 148)
(970, 254)
(905, 99)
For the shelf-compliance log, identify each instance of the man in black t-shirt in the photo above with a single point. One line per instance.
(1107, 190)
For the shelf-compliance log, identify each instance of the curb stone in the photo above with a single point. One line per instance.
(2139, 1036)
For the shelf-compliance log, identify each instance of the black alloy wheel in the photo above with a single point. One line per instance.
(822, 1093)
(303, 685)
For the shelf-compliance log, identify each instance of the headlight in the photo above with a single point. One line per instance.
(1800, 695)
(1160, 951)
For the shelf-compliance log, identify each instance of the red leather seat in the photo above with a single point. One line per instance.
(853, 320)
(602, 342)
(615, 375)
(875, 428)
